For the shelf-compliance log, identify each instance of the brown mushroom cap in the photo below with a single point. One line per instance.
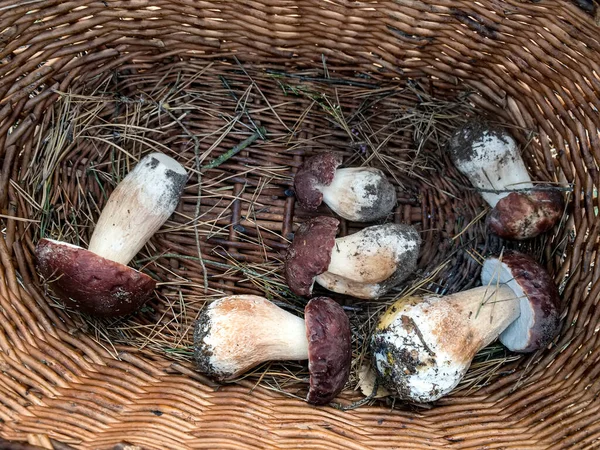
(526, 215)
(90, 283)
(309, 254)
(329, 349)
(538, 322)
(316, 170)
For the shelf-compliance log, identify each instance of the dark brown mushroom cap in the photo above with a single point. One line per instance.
(309, 254)
(539, 298)
(90, 283)
(316, 170)
(329, 349)
(526, 215)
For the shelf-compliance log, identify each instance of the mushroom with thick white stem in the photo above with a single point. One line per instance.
(97, 280)
(489, 156)
(366, 264)
(236, 333)
(422, 347)
(360, 194)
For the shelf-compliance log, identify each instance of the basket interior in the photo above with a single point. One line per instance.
(89, 88)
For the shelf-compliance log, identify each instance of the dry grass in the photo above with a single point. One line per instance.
(199, 114)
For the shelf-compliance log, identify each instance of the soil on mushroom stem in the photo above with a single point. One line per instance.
(230, 230)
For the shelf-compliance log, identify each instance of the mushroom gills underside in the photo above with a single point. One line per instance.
(516, 335)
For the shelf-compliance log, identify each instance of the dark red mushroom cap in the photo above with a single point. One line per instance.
(526, 215)
(316, 170)
(90, 283)
(329, 349)
(309, 254)
(539, 298)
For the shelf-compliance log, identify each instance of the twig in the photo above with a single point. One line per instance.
(261, 131)
(334, 81)
(406, 320)
(535, 188)
(245, 111)
(358, 403)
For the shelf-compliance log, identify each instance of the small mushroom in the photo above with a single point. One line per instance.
(98, 281)
(422, 347)
(489, 156)
(366, 264)
(359, 194)
(236, 333)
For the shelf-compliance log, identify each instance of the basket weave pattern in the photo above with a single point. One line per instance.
(535, 65)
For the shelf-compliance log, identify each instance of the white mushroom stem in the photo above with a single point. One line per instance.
(424, 347)
(359, 193)
(362, 261)
(349, 187)
(495, 164)
(342, 285)
(245, 337)
(138, 207)
(239, 332)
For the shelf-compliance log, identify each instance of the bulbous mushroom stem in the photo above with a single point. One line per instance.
(422, 347)
(360, 194)
(138, 207)
(235, 334)
(490, 158)
(367, 264)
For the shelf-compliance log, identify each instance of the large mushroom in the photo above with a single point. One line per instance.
(489, 157)
(422, 347)
(359, 194)
(366, 264)
(98, 281)
(236, 333)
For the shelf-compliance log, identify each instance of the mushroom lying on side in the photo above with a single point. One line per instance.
(490, 158)
(235, 334)
(360, 194)
(422, 347)
(366, 264)
(98, 281)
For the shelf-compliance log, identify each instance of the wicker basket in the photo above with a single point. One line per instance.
(533, 65)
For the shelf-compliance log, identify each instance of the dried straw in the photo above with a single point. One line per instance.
(236, 216)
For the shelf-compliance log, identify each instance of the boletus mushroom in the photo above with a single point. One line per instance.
(422, 347)
(236, 333)
(366, 264)
(359, 194)
(98, 281)
(489, 157)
